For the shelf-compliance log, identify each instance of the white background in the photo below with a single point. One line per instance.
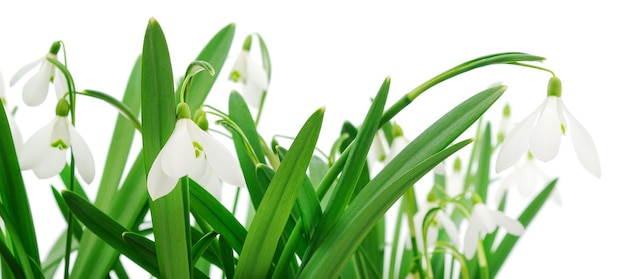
(336, 55)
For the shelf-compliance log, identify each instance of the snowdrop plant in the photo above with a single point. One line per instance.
(311, 213)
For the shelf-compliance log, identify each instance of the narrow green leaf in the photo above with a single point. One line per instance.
(268, 223)
(20, 254)
(499, 256)
(484, 163)
(350, 230)
(201, 246)
(10, 261)
(13, 193)
(357, 159)
(239, 113)
(170, 216)
(109, 230)
(121, 107)
(146, 247)
(205, 207)
(346, 238)
(228, 261)
(77, 231)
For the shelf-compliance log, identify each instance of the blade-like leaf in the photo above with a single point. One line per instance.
(270, 219)
(497, 258)
(13, 193)
(384, 189)
(170, 217)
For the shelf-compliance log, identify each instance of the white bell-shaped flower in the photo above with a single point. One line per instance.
(441, 221)
(485, 220)
(252, 76)
(36, 88)
(46, 151)
(192, 152)
(541, 133)
(15, 131)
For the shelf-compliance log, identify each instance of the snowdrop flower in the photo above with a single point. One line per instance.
(46, 151)
(541, 133)
(525, 176)
(36, 88)
(192, 152)
(252, 76)
(485, 220)
(441, 221)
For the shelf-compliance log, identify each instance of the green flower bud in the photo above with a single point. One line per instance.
(506, 112)
(432, 197)
(247, 43)
(183, 111)
(56, 46)
(199, 117)
(396, 130)
(63, 108)
(554, 87)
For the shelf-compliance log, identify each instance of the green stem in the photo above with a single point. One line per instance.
(396, 240)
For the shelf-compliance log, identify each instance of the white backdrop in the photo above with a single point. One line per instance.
(336, 55)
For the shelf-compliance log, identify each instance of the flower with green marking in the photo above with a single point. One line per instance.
(36, 88)
(252, 76)
(46, 151)
(541, 133)
(192, 152)
(485, 220)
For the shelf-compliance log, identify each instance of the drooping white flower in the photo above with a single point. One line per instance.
(484, 220)
(46, 151)
(541, 133)
(441, 221)
(36, 88)
(192, 152)
(525, 176)
(252, 76)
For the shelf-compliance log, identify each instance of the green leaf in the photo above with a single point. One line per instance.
(228, 261)
(109, 230)
(201, 245)
(484, 164)
(170, 214)
(10, 261)
(422, 154)
(497, 258)
(239, 113)
(268, 223)
(357, 159)
(13, 193)
(205, 207)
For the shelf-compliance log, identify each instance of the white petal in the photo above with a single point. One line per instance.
(15, 133)
(511, 225)
(36, 88)
(159, 183)
(528, 178)
(36, 146)
(255, 83)
(516, 142)
(22, 71)
(60, 84)
(51, 163)
(238, 72)
(84, 160)
(484, 218)
(2, 94)
(506, 184)
(546, 137)
(583, 145)
(471, 239)
(222, 162)
(178, 151)
(212, 184)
